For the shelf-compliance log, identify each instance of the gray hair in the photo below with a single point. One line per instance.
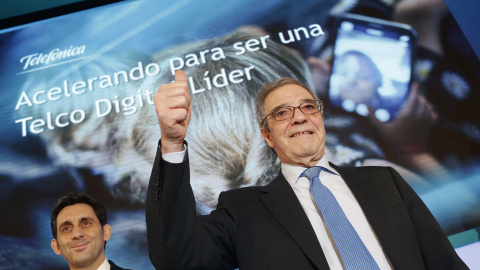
(225, 145)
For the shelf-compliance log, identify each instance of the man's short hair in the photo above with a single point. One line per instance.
(76, 198)
(266, 90)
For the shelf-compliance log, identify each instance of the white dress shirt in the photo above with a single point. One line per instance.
(105, 265)
(348, 203)
(174, 157)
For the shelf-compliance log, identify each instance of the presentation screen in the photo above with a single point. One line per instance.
(77, 111)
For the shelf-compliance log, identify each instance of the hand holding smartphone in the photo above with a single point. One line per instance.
(372, 66)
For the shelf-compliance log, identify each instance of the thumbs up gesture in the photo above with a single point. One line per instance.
(172, 103)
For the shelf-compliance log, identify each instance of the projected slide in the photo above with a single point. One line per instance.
(77, 110)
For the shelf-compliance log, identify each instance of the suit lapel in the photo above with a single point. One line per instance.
(366, 193)
(282, 202)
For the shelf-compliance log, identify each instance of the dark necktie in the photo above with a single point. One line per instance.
(351, 248)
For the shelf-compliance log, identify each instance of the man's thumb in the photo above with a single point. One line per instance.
(180, 76)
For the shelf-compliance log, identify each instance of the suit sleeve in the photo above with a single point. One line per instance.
(177, 237)
(436, 249)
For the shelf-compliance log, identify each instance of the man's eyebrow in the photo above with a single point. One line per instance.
(68, 222)
(280, 106)
(86, 219)
(307, 99)
(288, 105)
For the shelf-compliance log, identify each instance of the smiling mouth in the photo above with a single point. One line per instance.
(301, 133)
(80, 246)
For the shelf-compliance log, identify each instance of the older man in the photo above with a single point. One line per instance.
(314, 215)
(80, 232)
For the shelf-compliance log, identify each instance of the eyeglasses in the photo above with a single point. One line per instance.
(286, 112)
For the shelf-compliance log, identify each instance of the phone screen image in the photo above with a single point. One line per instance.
(372, 67)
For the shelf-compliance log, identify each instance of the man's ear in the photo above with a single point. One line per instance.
(54, 245)
(268, 139)
(107, 232)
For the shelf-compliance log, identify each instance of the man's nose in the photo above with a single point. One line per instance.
(77, 233)
(298, 116)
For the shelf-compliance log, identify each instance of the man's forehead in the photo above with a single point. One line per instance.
(287, 94)
(76, 212)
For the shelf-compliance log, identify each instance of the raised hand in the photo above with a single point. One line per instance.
(172, 103)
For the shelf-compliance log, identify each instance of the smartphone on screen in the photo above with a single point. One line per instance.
(372, 66)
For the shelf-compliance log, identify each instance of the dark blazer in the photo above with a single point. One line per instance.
(113, 266)
(266, 227)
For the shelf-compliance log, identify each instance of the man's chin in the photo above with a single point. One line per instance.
(305, 148)
(306, 157)
(82, 260)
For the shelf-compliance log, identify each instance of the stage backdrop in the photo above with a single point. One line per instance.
(77, 111)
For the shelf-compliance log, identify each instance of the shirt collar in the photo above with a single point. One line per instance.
(105, 265)
(292, 172)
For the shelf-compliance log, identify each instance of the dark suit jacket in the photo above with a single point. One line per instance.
(266, 227)
(113, 266)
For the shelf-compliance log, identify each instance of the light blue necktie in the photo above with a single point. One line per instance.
(351, 248)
